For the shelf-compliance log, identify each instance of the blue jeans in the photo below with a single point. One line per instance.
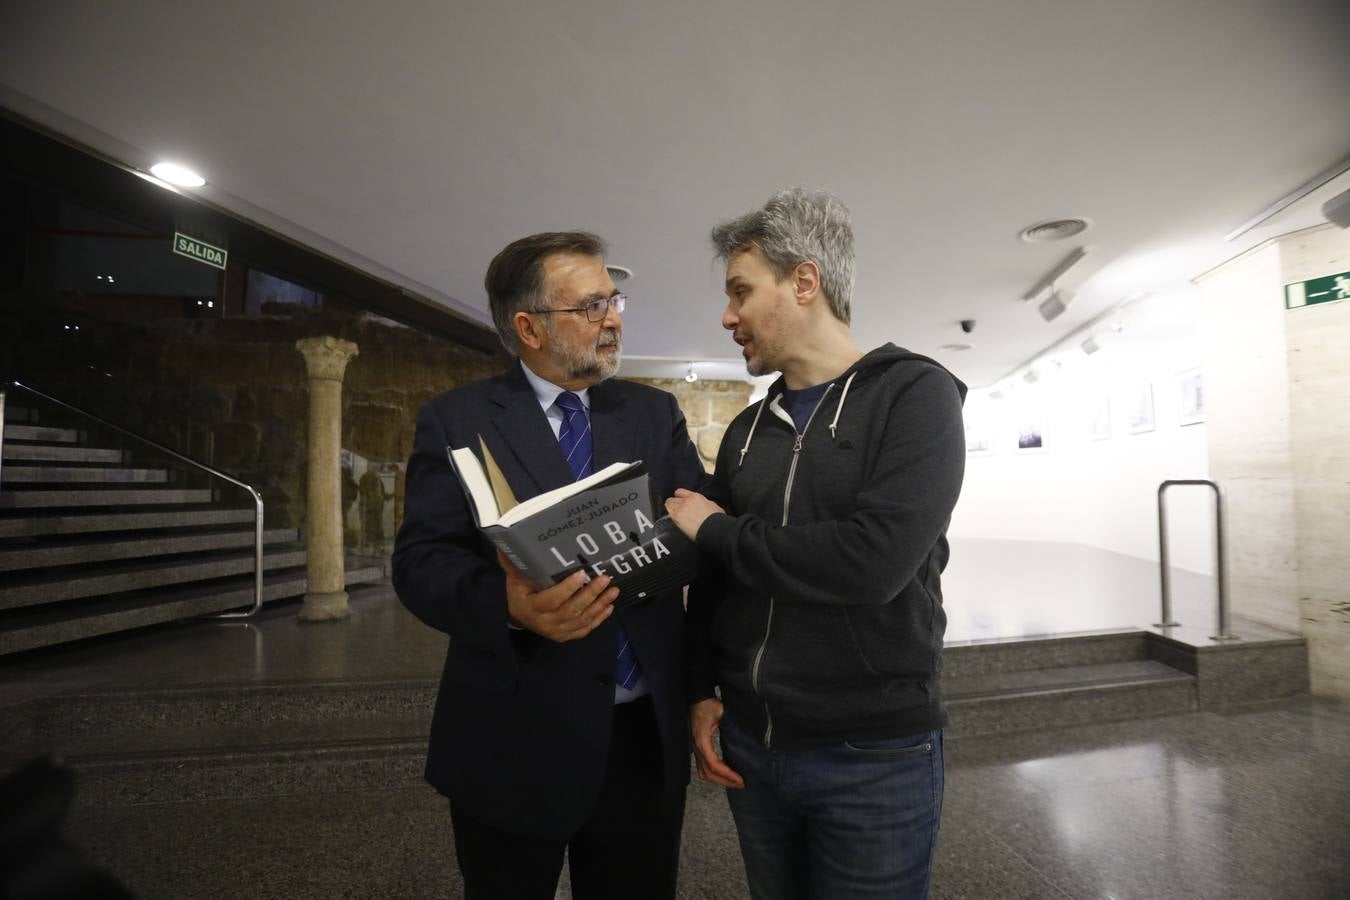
(848, 820)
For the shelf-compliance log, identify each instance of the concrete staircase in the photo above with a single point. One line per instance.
(94, 542)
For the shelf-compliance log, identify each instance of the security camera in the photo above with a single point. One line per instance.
(967, 325)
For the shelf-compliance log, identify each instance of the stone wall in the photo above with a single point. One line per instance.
(709, 407)
(1277, 383)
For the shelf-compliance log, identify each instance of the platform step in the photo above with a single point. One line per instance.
(238, 716)
(32, 590)
(989, 657)
(62, 453)
(82, 551)
(83, 475)
(39, 433)
(44, 499)
(39, 524)
(1066, 695)
(304, 768)
(48, 625)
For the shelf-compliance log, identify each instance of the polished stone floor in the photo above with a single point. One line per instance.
(1247, 804)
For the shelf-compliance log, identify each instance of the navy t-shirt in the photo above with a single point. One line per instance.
(800, 404)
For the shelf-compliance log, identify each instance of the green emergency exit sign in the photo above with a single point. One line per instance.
(1317, 290)
(201, 251)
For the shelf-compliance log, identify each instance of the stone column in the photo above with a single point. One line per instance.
(326, 360)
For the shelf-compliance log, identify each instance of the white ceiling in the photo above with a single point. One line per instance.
(415, 139)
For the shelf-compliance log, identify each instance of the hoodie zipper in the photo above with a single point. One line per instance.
(787, 499)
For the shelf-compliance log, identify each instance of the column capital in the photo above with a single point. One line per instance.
(326, 357)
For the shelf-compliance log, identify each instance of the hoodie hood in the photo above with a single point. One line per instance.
(881, 358)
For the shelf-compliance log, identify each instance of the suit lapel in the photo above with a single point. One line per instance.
(523, 432)
(615, 440)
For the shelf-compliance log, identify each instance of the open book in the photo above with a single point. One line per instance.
(602, 523)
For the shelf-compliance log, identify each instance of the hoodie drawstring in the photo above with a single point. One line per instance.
(746, 448)
(838, 409)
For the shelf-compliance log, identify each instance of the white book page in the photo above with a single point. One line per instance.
(475, 479)
(527, 508)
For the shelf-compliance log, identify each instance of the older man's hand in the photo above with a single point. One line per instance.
(568, 610)
(689, 510)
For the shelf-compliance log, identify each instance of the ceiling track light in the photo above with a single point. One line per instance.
(1053, 307)
(1291, 198)
(1049, 279)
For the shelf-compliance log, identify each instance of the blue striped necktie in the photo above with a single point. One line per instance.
(574, 437)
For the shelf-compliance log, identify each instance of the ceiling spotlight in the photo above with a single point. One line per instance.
(1053, 307)
(177, 175)
(691, 376)
(1091, 346)
(619, 273)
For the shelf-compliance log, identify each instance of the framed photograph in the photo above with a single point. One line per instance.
(1139, 410)
(1191, 397)
(1099, 419)
(1031, 432)
(979, 437)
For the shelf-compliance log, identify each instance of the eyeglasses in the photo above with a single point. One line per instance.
(597, 309)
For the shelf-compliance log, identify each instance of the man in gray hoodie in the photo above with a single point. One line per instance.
(822, 628)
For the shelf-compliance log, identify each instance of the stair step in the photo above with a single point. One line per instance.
(32, 590)
(89, 550)
(83, 475)
(40, 525)
(43, 499)
(214, 718)
(39, 433)
(989, 657)
(62, 453)
(1063, 696)
(263, 772)
(45, 626)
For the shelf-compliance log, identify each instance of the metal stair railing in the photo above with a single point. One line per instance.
(257, 498)
(1225, 632)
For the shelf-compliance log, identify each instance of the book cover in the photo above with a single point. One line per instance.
(602, 523)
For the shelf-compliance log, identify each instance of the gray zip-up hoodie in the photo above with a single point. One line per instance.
(825, 621)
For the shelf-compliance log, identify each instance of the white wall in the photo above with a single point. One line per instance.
(1102, 493)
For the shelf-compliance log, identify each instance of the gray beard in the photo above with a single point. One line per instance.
(588, 364)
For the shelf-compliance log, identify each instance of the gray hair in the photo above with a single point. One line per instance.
(515, 277)
(794, 227)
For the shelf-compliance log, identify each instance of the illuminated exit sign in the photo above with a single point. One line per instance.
(201, 251)
(1317, 290)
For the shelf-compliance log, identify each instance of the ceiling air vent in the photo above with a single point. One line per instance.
(1054, 230)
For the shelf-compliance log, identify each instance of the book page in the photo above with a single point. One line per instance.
(527, 508)
(471, 475)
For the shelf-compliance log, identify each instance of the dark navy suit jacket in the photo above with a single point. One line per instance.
(520, 735)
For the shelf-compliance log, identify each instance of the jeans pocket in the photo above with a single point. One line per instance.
(914, 745)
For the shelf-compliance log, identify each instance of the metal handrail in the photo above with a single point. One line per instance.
(1220, 557)
(257, 498)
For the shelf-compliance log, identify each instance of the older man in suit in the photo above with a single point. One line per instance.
(561, 722)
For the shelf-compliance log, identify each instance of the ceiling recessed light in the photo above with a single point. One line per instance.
(1054, 230)
(619, 273)
(177, 175)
